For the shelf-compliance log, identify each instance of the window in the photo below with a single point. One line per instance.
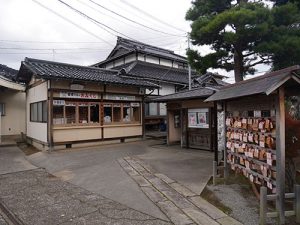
(38, 112)
(126, 112)
(117, 113)
(75, 113)
(94, 113)
(107, 113)
(153, 109)
(2, 109)
(136, 112)
(83, 112)
(58, 114)
(70, 112)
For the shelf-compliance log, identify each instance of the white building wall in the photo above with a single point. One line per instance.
(141, 57)
(13, 122)
(119, 62)
(130, 58)
(152, 59)
(165, 62)
(167, 89)
(36, 130)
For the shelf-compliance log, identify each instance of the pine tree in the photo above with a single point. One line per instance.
(233, 30)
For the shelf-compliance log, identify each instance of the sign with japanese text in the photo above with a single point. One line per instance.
(81, 95)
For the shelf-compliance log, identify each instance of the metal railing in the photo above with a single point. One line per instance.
(264, 197)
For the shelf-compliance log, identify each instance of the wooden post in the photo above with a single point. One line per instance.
(280, 155)
(263, 206)
(215, 171)
(297, 203)
(50, 118)
(0, 127)
(225, 152)
(215, 132)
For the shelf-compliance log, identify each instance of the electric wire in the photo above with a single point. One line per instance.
(70, 21)
(101, 25)
(150, 16)
(124, 17)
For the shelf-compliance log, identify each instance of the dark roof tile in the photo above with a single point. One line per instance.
(263, 84)
(56, 70)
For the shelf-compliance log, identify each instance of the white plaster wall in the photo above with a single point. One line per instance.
(13, 123)
(130, 58)
(109, 65)
(36, 130)
(119, 62)
(167, 89)
(166, 62)
(141, 57)
(152, 59)
(175, 64)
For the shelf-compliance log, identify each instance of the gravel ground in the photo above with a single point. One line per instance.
(2, 221)
(244, 209)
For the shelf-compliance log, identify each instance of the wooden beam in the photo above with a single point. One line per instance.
(280, 155)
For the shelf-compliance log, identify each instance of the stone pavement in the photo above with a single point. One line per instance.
(37, 197)
(181, 205)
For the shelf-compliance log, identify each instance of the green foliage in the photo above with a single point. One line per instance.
(243, 34)
(284, 41)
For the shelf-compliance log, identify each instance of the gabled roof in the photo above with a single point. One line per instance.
(8, 72)
(209, 79)
(55, 70)
(125, 46)
(265, 84)
(156, 72)
(8, 83)
(201, 92)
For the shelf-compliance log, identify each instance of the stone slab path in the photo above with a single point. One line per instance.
(181, 205)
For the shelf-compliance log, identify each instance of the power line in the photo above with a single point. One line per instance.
(55, 42)
(44, 49)
(149, 15)
(124, 17)
(102, 25)
(110, 16)
(44, 53)
(66, 19)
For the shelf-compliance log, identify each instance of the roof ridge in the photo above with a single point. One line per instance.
(121, 39)
(67, 64)
(266, 75)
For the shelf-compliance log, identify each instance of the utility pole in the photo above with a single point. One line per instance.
(189, 66)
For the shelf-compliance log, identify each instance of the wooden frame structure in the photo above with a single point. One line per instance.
(271, 84)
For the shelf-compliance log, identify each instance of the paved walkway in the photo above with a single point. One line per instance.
(181, 205)
(36, 197)
(12, 159)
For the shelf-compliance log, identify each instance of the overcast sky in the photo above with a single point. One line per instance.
(29, 30)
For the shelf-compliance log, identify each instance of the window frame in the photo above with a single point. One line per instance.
(35, 111)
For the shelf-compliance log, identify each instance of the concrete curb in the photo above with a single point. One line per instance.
(181, 205)
(12, 217)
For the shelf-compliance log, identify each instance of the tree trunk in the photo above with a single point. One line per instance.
(238, 65)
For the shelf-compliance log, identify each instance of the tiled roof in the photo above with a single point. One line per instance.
(56, 70)
(202, 92)
(143, 47)
(7, 72)
(125, 46)
(209, 79)
(156, 72)
(265, 84)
